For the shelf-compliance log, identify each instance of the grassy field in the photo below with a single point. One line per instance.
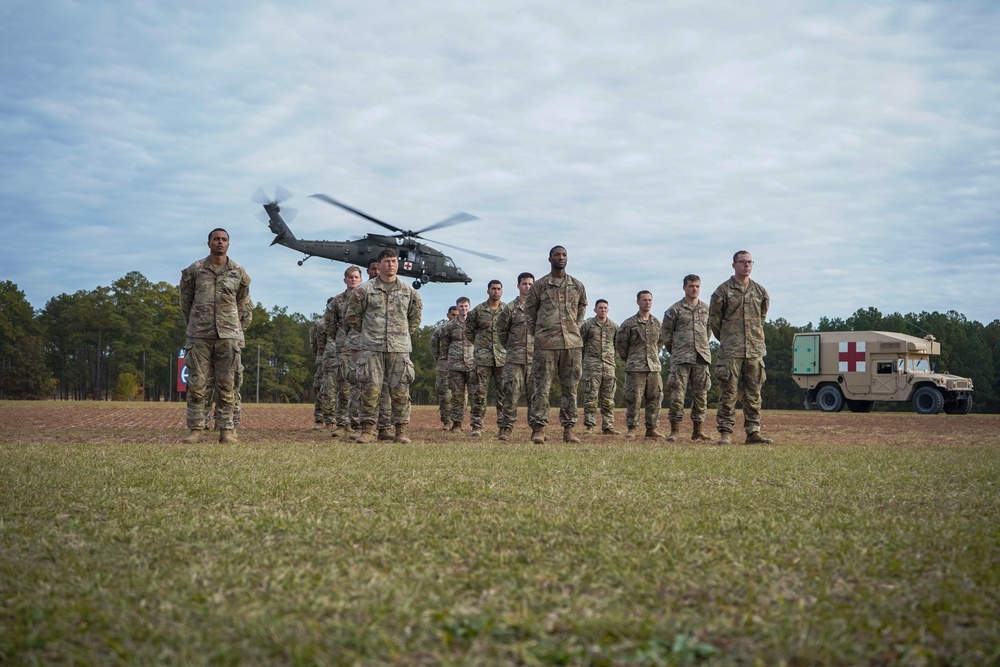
(858, 539)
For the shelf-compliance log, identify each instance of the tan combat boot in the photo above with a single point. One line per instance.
(366, 435)
(538, 434)
(675, 431)
(756, 438)
(589, 429)
(653, 434)
(477, 432)
(697, 435)
(401, 435)
(723, 439)
(193, 436)
(610, 430)
(339, 431)
(445, 425)
(456, 427)
(504, 434)
(630, 433)
(385, 435)
(318, 426)
(569, 436)
(228, 435)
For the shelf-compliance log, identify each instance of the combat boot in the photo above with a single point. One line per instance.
(338, 431)
(653, 434)
(193, 436)
(385, 435)
(675, 431)
(456, 427)
(319, 426)
(723, 438)
(504, 434)
(228, 435)
(611, 430)
(445, 425)
(697, 435)
(589, 429)
(756, 438)
(366, 435)
(401, 436)
(355, 433)
(568, 435)
(630, 433)
(477, 432)
(538, 434)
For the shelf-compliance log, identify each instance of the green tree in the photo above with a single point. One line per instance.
(23, 373)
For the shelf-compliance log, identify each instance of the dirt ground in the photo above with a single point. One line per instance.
(82, 422)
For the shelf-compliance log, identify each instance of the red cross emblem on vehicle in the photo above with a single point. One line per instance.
(852, 357)
(407, 265)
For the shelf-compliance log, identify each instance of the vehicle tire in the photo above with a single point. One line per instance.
(860, 406)
(829, 399)
(959, 407)
(417, 284)
(928, 401)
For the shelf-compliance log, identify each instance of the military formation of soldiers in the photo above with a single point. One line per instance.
(363, 344)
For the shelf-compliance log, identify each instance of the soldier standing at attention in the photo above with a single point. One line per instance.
(685, 337)
(736, 316)
(520, 346)
(554, 309)
(461, 363)
(384, 406)
(346, 392)
(638, 344)
(482, 331)
(214, 295)
(599, 382)
(317, 343)
(385, 311)
(441, 385)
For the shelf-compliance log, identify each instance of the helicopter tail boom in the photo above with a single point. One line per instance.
(282, 234)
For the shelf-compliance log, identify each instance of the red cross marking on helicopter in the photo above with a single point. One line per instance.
(852, 357)
(407, 265)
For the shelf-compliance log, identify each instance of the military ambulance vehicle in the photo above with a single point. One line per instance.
(857, 368)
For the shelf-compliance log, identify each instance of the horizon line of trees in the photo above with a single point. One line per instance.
(121, 343)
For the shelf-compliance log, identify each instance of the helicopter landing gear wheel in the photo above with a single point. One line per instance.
(417, 284)
(300, 262)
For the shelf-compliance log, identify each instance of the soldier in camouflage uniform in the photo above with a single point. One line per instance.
(685, 336)
(520, 345)
(246, 317)
(442, 387)
(328, 387)
(481, 330)
(214, 295)
(599, 381)
(638, 345)
(555, 309)
(384, 404)
(317, 343)
(345, 391)
(385, 311)
(453, 344)
(737, 313)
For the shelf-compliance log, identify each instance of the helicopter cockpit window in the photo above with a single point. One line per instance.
(448, 262)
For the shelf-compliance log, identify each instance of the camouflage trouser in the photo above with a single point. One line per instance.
(599, 393)
(677, 383)
(385, 373)
(639, 387)
(730, 373)
(328, 391)
(354, 404)
(213, 400)
(219, 359)
(317, 391)
(516, 377)
(443, 388)
(484, 374)
(463, 385)
(566, 366)
(347, 393)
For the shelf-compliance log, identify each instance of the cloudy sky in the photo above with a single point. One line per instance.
(852, 147)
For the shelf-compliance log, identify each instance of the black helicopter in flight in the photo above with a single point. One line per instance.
(416, 260)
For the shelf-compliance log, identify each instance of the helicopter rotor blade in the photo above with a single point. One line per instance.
(471, 252)
(288, 214)
(280, 195)
(456, 219)
(333, 202)
(258, 197)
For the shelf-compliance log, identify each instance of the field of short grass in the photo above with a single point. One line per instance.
(853, 547)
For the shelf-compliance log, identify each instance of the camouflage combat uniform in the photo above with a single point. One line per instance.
(520, 346)
(246, 317)
(554, 310)
(490, 356)
(599, 381)
(214, 303)
(317, 343)
(329, 387)
(736, 317)
(461, 367)
(685, 336)
(441, 385)
(638, 345)
(346, 390)
(385, 314)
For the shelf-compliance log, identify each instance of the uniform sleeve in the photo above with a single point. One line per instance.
(186, 289)
(415, 312)
(471, 324)
(314, 338)
(243, 294)
(355, 309)
(622, 340)
(581, 308)
(667, 329)
(765, 304)
(715, 310)
(531, 308)
(503, 325)
(331, 317)
(246, 315)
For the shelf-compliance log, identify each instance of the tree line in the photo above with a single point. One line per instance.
(121, 343)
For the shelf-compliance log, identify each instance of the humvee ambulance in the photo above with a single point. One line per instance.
(857, 368)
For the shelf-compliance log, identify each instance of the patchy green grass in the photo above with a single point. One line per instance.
(475, 552)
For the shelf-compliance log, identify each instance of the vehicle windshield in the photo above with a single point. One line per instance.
(448, 262)
(914, 364)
